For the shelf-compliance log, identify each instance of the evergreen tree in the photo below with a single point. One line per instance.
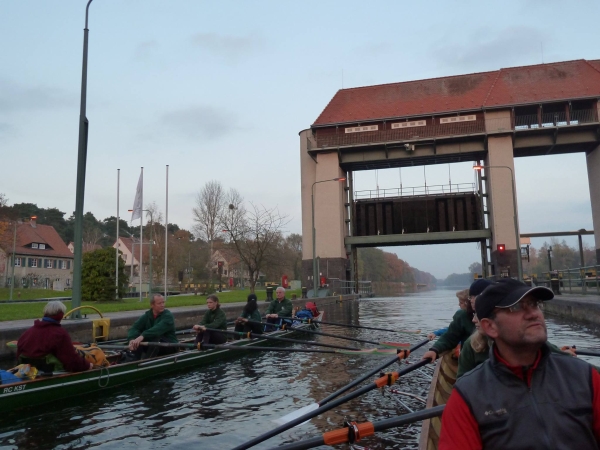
(98, 276)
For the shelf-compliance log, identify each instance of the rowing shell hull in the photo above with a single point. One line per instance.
(442, 382)
(51, 389)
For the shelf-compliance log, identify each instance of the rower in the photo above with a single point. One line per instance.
(47, 345)
(214, 319)
(156, 325)
(524, 396)
(250, 313)
(279, 308)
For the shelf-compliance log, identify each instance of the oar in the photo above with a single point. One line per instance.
(306, 409)
(375, 351)
(320, 333)
(361, 430)
(369, 328)
(586, 352)
(301, 417)
(148, 344)
(250, 335)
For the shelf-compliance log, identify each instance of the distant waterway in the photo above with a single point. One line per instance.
(225, 404)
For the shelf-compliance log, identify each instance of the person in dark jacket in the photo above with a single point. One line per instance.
(49, 345)
(461, 327)
(250, 313)
(214, 319)
(156, 325)
(279, 308)
(523, 396)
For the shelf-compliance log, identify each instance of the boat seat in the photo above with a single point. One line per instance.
(44, 368)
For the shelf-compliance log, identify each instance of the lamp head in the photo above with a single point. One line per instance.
(477, 167)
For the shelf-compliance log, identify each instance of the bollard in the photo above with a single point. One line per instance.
(555, 283)
(269, 293)
(304, 292)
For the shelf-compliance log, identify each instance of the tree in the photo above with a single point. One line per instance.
(476, 267)
(210, 205)
(255, 234)
(98, 276)
(3, 200)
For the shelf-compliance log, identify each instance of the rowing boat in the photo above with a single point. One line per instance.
(442, 382)
(46, 389)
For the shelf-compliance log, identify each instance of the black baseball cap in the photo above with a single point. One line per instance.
(505, 293)
(478, 286)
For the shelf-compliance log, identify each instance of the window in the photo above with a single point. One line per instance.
(63, 264)
(17, 262)
(48, 264)
(42, 246)
(33, 262)
(68, 282)
(34, 245)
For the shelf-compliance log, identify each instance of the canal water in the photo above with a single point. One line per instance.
(225, 404)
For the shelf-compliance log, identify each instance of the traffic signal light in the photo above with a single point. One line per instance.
(501, 248)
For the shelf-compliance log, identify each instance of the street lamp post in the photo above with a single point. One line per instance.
(314, 240)
(550, 258)
(515, 216)
(81, 164)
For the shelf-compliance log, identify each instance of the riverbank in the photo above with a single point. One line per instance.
(581, 308)
(185, 317)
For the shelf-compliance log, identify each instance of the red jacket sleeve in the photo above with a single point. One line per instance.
(459, 428)
(596, 388)
(68, 356)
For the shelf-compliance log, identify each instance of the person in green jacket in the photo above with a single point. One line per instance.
(250, 313)
(462, 325)
(156, 325)
(214, 319)
(280, 307)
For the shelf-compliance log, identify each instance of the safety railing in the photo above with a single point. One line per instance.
(416, 191)
(555, 119)
(346, 287)
(579, 280)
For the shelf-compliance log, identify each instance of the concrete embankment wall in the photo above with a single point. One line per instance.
(185, 318)
(581, 308)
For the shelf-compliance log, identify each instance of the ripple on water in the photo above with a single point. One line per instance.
(228, 403)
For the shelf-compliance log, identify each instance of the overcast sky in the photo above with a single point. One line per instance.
(220, 90)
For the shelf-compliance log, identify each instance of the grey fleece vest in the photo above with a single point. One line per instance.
(556, 412)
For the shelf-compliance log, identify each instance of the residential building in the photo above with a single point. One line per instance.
(41, 259)
(130, 252)
(85, 246)
(232, 267)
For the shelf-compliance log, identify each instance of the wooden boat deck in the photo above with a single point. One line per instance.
(442, 382)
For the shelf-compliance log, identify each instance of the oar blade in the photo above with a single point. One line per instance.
(294, 415)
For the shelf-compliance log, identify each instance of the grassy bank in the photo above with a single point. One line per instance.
(16, 311)
(31, 294)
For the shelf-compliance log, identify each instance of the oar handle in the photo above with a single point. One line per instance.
(587, 352)
(372, 372)
(365, 429)
(323, 408)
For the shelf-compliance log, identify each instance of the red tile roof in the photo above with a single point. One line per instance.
(40, 234)
(504, 87)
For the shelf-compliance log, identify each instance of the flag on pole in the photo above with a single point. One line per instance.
(137, 203)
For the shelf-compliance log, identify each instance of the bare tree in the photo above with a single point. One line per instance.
(3, 200)
(210, 204)
(256, 234)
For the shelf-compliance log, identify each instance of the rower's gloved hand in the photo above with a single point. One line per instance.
(431, 355)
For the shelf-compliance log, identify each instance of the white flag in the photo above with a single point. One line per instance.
(137, 203)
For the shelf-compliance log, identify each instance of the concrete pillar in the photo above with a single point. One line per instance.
(329, 212)
(500, 201)
(593, 168)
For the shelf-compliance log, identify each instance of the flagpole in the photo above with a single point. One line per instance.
(166, 227)
(141, 231)
(117, 243)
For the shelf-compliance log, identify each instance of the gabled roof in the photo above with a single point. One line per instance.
(504, 87)
(29, 232)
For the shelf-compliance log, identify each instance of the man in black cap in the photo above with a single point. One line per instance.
(523, 396)
(461, 327)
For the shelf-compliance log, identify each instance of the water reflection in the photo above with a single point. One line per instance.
(227, 403)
